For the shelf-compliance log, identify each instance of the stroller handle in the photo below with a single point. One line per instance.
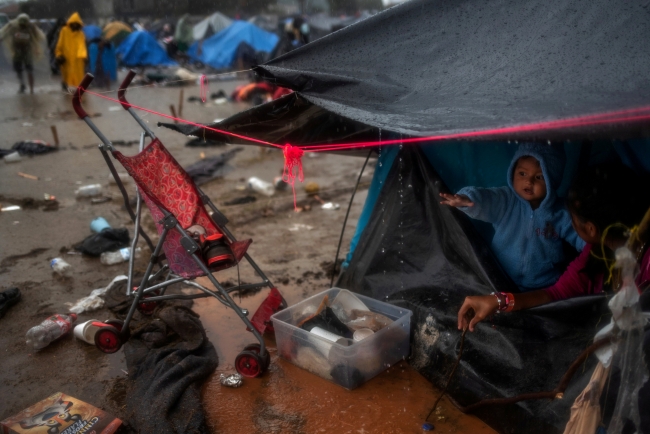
(122, 90)
(76, 99)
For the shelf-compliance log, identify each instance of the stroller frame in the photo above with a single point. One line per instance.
(254, 359)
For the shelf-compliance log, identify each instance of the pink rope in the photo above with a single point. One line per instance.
(292, 168)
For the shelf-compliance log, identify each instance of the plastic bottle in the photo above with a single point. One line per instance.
(52, 328)
(118, 256)
(260, 186)
(89, 190)
(59, 266)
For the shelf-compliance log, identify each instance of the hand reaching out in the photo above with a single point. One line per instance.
(455, 200)
(475, 309)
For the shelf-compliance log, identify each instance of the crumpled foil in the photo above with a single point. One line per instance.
(232, 380)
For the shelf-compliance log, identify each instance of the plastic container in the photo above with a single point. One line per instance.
(347, 365)
(260, 186)
(86, 331)
(49, 330)
(14, 157)
(118, 256)
(89, 190)
(59, 266)
(99, 224)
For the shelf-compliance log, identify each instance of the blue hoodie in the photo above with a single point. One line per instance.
(527, 242)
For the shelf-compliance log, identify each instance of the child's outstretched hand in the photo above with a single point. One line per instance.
(455, 200)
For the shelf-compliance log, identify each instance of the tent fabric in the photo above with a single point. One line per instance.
(218, 51)
(427, 257)
(92, 32)
(141, 49)
(210, 25)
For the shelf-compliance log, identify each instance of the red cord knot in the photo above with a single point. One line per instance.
(204, 87)
(292, 168)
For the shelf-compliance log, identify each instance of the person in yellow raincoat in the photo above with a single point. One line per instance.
(71, 52)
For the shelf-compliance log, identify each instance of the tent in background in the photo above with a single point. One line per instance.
(116, 32)
(210, 26)
(476, 76)
(141, 49)
(91, 32)
(220, 50)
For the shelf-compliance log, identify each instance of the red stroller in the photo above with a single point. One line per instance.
(192, 243)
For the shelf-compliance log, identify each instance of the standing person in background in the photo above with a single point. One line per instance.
(102, 62)
(71, 53)
(52, 39)
(23, 41)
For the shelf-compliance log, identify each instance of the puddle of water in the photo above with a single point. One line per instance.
(288, 399)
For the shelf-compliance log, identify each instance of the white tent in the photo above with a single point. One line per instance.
(211, 25)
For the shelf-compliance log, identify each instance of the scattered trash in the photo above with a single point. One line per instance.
(28, 176)
(59, 266)
(330, 206)
(303, 208)
(61, 413)
(232, 380)
(99, 224)
(300, 227)
(279, 183)
(10, 208)
(313, 155)
(118, 256)
(240, 200)
(260, 186)
(95, 301)
(28, 124)
(427, 426)
(86, 331)
(115, 108)
(312, 188)
(54, 327)
(29, 147)
(98, 200)
(47, 196)
(89, 190)
(210, 168)
(13, 157)
(7, 299)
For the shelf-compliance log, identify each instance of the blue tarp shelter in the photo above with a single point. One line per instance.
(92, 32)
(141, 49)
(219, 51)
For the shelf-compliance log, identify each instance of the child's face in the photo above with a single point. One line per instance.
(585, 230)
(528, 181)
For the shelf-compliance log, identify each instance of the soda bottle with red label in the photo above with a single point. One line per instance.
(52, 328)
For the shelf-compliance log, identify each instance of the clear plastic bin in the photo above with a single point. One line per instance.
(348, 366)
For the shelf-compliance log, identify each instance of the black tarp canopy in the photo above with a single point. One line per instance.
(439, 67)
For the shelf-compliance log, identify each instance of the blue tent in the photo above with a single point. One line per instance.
(92, 32)
(219, 50)
(141, 49)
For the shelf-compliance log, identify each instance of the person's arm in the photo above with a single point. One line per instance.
(483, 306)
(58, 50)
(567, 232)
(486, 204)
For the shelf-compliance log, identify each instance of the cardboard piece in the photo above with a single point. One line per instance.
(61, 414)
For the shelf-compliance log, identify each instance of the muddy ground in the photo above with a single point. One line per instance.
(286, 399)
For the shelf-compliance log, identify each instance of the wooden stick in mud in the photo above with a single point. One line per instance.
(171, 109)
(55, 134)
(28, 176)
(180, 104)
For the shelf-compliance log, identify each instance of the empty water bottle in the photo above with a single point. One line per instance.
(59, 266)
(263, 187)
(89, 190)
(52, 328)
(12, 158)
(118, 256)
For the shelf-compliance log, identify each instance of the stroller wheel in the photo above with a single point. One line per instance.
(147, 307)
(119, 325)
(249, 364)
(108, 340)
(255, 348)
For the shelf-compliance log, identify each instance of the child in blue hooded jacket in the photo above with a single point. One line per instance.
(529, 220)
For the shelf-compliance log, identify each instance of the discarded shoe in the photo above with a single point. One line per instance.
(7, 299)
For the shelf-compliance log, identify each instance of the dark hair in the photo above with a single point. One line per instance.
(608, 194)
